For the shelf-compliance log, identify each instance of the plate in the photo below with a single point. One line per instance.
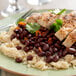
(10, 65)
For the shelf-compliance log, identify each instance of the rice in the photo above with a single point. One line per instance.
(9, 49)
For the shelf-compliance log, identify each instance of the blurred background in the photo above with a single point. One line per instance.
(9, 7)
(15, 6)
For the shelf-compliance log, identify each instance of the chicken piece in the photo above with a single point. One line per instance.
(69, 24)
(71, 39)
(47, 19)
(44, 19)
(64, 31)
(69, 16)
(33, 18)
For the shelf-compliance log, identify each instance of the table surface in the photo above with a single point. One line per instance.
(68, 4)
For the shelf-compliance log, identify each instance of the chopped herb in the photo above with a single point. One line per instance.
(52, 11)
(63, 10)
(53, 26)
(19, 20)
(32, 28)
(57, 11)
(59, 21)
(56, 26)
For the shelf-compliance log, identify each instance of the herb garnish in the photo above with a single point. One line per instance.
(56, 26)
(32, 27)
(57, 11)
(63, 10)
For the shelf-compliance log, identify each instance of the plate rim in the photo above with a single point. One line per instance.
(13, 72)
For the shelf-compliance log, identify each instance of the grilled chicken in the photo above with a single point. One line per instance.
(47, 18)
(69, 24)
(71, 39)
(44, 19)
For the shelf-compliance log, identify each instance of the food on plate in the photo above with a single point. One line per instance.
(39, 43)
(45, 19)
(71, 39)
(69, 24)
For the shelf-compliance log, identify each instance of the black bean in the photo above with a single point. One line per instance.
(32, 42)
(64, 52)
(50, 35)
(37, 45)
(18, 47)
(75, 54)
(39, 36)
(50, 42)
(54, 38)
(17, 36)
(16, 30)
(49, 59)
(51, 50)
(58, 42)
(71, 50)
(60, 53)
(26, 49)
(48, 53)
(29, 57)
(41, 54)
(21, 36)
(57, 45)
(42, 43)
(22, 41)
(45, 47)
(31, 47)
(32, 38)
(55, 58)
(21, 26)
(52, 46)
(20, 31)
(45, 34)
(63, 47)
(25, 33)
(29, 35)
(40, 39)
(55, 49)
(43, 29)
(18, 60)
(46, 42)
(36, 50)
(45, 39)
(27, 42)
(13, 36)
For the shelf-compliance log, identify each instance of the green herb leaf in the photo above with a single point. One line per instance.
(63, 10)
(59, 22)
(32, 28)
(57, 11)
(19, 20)
(56, 26)
(52, 11)
(53, 26)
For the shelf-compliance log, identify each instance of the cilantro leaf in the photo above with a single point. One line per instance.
(56, 26)
(59, 22)
(19, 20)
(53, 26)
(32, 28)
